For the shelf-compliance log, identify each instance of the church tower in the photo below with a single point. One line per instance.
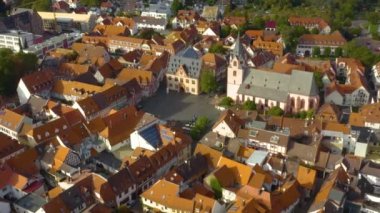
(236, 68)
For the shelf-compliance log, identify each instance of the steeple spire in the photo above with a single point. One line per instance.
(238, 48)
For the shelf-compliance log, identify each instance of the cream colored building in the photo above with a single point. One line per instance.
(53, 21)
(184, 72)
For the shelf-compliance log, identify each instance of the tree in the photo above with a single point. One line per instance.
(91, 3)
(316, 51)
(318, 79)
(176, 5)
(216, 188)
(225, 31)
(302, 114)
(258, 22)
(11, 74)
(275, 111)
(199, 128)
(314, 31)
(310, 113)
(217, 48)
(211, 2)
(362, 53)
(226, 102)
(147, 34)
(42, 5)
(249, 105)
(122, 209)
(327, 52)
(373, 17)
(338, 52)
(208, 81)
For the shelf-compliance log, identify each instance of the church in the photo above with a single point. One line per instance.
(293, 92)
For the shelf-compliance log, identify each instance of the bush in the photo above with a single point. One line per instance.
(316, 52)
(217, 48)
(327, 52)
(226, 102)
(275, 111)
(249, 105)
(338, 52)
(199, 128)
(216, 187)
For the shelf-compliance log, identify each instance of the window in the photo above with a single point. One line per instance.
(234, 73)
(193, 81)
(187, 81)
(192, 90)
(169, 78)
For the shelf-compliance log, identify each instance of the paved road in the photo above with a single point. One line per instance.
(179, 106)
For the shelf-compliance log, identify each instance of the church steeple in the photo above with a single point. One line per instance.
(238, 50)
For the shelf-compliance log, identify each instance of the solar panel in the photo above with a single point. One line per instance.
(152, 136)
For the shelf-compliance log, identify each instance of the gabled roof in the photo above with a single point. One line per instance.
(242, 173)
(213, 60)
(9, 177)
(165, 193)
(307, 21)
(334, 39)
(10, 119)
(81, 193)
(38, 81)
(329, 111)
(25, 163)
(143, 77)
(212, 156)
(121, 124)
(8, 146)
(334, 182)
(231, 119)
(306, 177)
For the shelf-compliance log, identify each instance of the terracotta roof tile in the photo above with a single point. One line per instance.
(335, 39)
(306, 177)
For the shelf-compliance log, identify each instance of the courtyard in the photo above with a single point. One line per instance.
(180, 106)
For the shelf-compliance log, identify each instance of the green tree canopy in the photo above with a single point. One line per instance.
(327, 52)
(338, 52)
(318, 79)
(225, 31)
(217, 48)
(42, 5)
(362, 53)
(91, 3)
(216, 188)
(316, 51)
(12, 68)
(249, 105)
(275, 111)
(226, 102)
(314, 31)
(176, 5)
(199, 128)
(208, 81)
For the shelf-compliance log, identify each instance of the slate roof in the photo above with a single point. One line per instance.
(190, 59)
(277, 86)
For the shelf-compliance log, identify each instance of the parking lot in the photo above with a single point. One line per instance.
(179, 106)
